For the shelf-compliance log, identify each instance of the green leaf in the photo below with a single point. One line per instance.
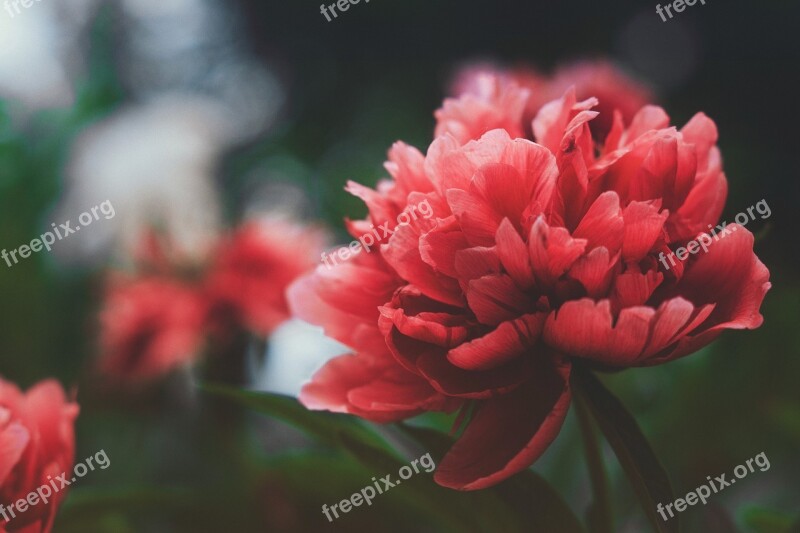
(762, 520)
(456, 511)
(106, 523)
(123, 509)
(340, 431)
(336, 477)
(533, 502)
(600, 515)
(647, 476)
(84, 505)
(358, 440)
(417, 500)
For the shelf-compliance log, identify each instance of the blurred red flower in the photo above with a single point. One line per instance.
(486, 88)
(156, 321)
(150, 326)
(614, 89)
(537, 254)
(251, 270)
(37, 444)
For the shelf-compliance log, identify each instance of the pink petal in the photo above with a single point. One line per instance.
(633, 287)
(477, 220)
(403, 254)
(595, 272)
(513, 255)
(495, 299)
(552, 251)
(331, 386)
(583, 328)
(730, 276)
(644, 224)
(508, 433)
(507, 341)
(14, 439)
(603, 224)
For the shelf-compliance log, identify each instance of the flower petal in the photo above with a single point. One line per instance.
(584, 328)
(509, 432)
(346, 383)
(507, 341)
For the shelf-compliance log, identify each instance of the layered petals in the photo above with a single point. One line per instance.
(37, 443)
(149, 327)
(252, 269)
(546, 246)
(491, 103)
(371, 390)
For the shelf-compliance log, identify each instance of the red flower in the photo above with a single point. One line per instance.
(490, 101)
(150, 326)
(537, 254)
(155, 322)
(615, 90)
(488, 97)
(251, 271)
(37, 443)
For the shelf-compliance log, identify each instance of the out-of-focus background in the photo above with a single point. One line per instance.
(195, 115)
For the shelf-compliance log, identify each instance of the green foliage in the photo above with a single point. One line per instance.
(523, 502)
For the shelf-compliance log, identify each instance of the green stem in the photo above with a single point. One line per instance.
(648, 478)
(600, 515)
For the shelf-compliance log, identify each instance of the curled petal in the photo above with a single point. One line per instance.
(528, 420)
(378, 392)
(507, 341)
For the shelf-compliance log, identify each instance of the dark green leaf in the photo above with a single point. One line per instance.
(332, 429)
(762, 520)
(88, 503)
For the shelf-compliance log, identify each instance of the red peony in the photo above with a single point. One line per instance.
(157, 321)
(481, 88)
(250, 272)
(538, 254)
(615, 91)
(38, 444)
(150, 326)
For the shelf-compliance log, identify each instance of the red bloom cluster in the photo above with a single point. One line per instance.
(538, 253)
(37, 444)
(154, 322)
(615, 91)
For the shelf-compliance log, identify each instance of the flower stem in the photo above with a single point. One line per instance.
(599, 514)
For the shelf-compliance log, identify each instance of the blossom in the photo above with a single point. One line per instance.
(487, 96)
(165, 314)
(38, 444)
(614, 89)
(251, 270)
(539, 254)
(150, 326)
